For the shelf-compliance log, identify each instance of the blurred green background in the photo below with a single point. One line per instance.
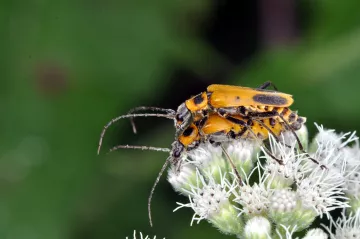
(68, 67)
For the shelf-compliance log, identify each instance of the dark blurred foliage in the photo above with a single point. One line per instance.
(68, 67)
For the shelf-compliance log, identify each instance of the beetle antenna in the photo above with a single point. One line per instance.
(128, 116)
(167, 150)
(154, 186)
(150, 108)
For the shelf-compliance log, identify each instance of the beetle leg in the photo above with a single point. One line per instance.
(268, 84)
(262, 115)
(268, 152)
(300, 144)
(247, 127)
(270, 131)
(233, 166)
(301, 147)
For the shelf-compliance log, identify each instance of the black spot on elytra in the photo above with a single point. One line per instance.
(269, 99)
(272, 122)
(188, 131)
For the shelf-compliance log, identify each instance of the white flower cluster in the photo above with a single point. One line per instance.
(346, 226)
(273, 200)
(141, 236)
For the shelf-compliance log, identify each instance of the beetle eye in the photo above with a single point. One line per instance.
(178, 149)
(179, 118)
(176, 154)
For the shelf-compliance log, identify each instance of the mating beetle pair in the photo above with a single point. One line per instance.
(221, 113)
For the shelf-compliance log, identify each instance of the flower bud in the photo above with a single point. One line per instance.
(257, 228)
(316, 233)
